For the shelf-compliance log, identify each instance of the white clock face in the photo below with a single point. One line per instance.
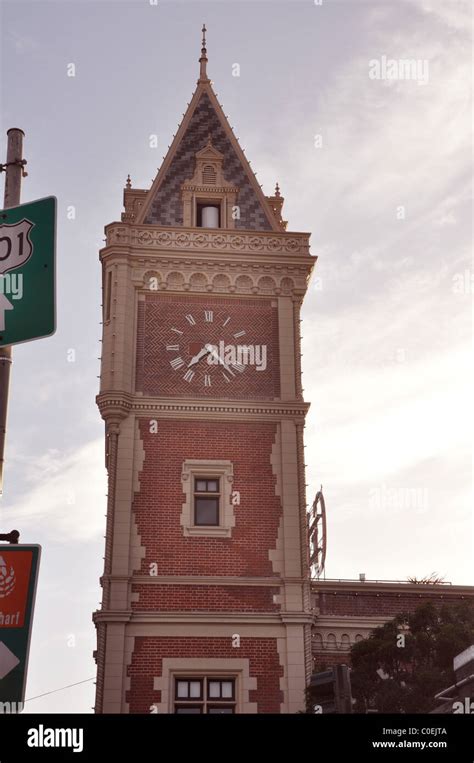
(204, 347)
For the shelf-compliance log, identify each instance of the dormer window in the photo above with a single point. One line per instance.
(208, 198)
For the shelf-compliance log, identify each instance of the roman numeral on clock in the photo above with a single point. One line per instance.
(207, 380)
(190, 319)
(177, 331)
(189, 375)
(239, 333)
(208, 316)
(238, 367)
(176, 363)
(172, 347)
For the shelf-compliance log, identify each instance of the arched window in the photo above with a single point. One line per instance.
(331, 642)
(345, 641)
(317, 641)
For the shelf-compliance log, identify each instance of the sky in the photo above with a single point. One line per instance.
(378, 170)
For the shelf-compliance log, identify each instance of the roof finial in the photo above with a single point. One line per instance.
(129, 182)
(277, 191)
(203, 60)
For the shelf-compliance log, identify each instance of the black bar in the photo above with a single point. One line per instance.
(158, 737)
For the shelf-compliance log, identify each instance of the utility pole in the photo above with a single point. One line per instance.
(21, 560)
(14, 171)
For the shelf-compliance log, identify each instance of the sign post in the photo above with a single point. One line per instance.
(27, 311)
(14, 170)
(19, 566)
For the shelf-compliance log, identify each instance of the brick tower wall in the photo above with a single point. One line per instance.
(157, 507)
(149, 652)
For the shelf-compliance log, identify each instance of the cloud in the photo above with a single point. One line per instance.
(456, 14)
(385, 143)
(66, 493)
(387, 357)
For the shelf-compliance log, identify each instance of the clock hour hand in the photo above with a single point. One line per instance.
(198, 357)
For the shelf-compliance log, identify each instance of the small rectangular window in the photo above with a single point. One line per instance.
(206, 501)
(188, 689)
(220, 689)
(214, 696)
(208, 215)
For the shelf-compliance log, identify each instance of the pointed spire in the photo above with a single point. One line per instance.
(203, 60)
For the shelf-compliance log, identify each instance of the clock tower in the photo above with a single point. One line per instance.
(206, 587)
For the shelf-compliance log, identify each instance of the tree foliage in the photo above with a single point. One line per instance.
(405, 662)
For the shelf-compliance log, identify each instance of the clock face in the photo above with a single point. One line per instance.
(189, 346)
(207, 347)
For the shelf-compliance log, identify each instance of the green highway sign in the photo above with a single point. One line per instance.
(27, 271)
(19, 566)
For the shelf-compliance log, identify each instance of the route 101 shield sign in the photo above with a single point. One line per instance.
(27, 271)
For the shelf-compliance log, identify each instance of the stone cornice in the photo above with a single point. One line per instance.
(190, 186)
(241, 264)
(186, 260)
(211, 618)
(206, 241)
(110, 403)
(357, 588)
(349, 621)
(204, 580)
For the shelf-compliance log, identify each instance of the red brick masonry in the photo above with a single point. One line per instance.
(149, 652)
(158, 505)
(383, 602)
(205, 598)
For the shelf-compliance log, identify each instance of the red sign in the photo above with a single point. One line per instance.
(15, 571)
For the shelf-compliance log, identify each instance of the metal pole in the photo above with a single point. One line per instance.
(13, 173)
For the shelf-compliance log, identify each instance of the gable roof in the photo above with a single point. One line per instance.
(204, 117)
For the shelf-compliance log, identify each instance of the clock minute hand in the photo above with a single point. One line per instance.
(200, 355)
(219, 359)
